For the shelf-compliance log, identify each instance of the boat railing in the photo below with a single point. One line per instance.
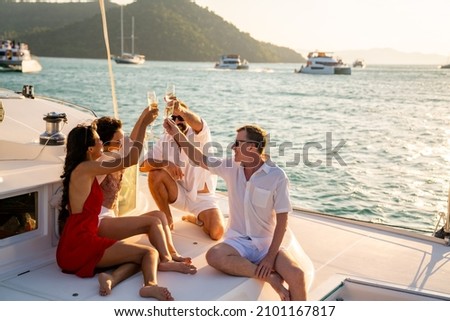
(78, 107)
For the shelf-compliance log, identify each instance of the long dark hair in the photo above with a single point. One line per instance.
(79, 140)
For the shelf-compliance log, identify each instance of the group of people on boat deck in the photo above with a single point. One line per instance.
(94, 238)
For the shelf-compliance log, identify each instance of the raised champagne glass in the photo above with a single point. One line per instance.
(168, 98)
(152, 101)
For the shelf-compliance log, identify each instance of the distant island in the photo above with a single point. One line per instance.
(171, 30)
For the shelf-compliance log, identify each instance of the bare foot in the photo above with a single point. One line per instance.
(189, 218)
(105, 281)
(177, 267)
(157, 292)
(178, 258)
(275, 280)
(192, 219)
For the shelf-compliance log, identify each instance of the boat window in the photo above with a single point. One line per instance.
(18, 214)
(127, 196)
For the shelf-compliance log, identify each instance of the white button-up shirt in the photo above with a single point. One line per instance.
(195, 177)
(254, 203)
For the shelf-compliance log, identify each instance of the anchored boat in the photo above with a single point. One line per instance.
(16, 56)
(324, 63)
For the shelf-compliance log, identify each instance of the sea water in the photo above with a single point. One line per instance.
(373, 146)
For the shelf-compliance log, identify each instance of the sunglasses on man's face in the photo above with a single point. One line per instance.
(174, 118)
(238, 142)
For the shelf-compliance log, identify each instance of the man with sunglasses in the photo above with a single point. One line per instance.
(173, 180)
(259, 203)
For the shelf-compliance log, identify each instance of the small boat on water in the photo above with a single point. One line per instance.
(16, 56)
(232, 61)
(359, 63)
(128, 58)
(447, 66)
(324, 63)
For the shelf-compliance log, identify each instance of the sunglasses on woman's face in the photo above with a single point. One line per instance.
(116, 143)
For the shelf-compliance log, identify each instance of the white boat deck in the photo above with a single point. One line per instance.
(337, 248)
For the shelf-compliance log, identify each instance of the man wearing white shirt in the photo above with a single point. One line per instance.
(174, 180)
(259, 205)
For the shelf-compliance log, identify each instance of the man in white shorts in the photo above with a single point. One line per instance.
(259, 202)
(174, 180)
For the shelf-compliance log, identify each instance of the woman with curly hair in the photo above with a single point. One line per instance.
(81, 250)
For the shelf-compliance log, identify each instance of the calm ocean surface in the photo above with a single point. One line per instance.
(388, 126)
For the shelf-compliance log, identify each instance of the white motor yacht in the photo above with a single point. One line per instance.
(232, 61)
(17, 56)
(324, 63)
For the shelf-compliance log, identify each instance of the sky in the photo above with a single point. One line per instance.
(336, 25)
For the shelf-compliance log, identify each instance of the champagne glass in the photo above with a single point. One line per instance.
(168, 98)
(152, 101)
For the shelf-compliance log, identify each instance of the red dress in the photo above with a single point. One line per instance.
(80, 248)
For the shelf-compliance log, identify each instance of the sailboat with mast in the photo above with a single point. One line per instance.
(125, 57)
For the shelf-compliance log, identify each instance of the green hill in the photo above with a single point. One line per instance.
(173, 30)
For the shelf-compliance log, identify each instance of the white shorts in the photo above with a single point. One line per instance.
(246, 248)
(204, 201)
(105, 212)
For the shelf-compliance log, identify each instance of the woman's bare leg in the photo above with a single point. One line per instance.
(122, 227)
(146, 257)
(119, 228)
(108, 281)
(173, 252)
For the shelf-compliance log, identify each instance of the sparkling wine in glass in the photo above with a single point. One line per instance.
(168, 97)
(152, 101)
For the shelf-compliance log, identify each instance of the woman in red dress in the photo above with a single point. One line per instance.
(80, 249)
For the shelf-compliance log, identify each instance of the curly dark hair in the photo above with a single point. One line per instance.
(107, 127)
(79, 140)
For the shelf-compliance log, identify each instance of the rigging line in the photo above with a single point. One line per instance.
(108, 52)
(447, 223)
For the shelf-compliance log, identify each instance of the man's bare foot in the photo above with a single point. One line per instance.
(177, 267)
(106, 284)
(178, 258)
(275, 280)
(157, 292)
(191, 218)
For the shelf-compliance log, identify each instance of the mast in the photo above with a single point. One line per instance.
(132, 35)
(121, 30)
